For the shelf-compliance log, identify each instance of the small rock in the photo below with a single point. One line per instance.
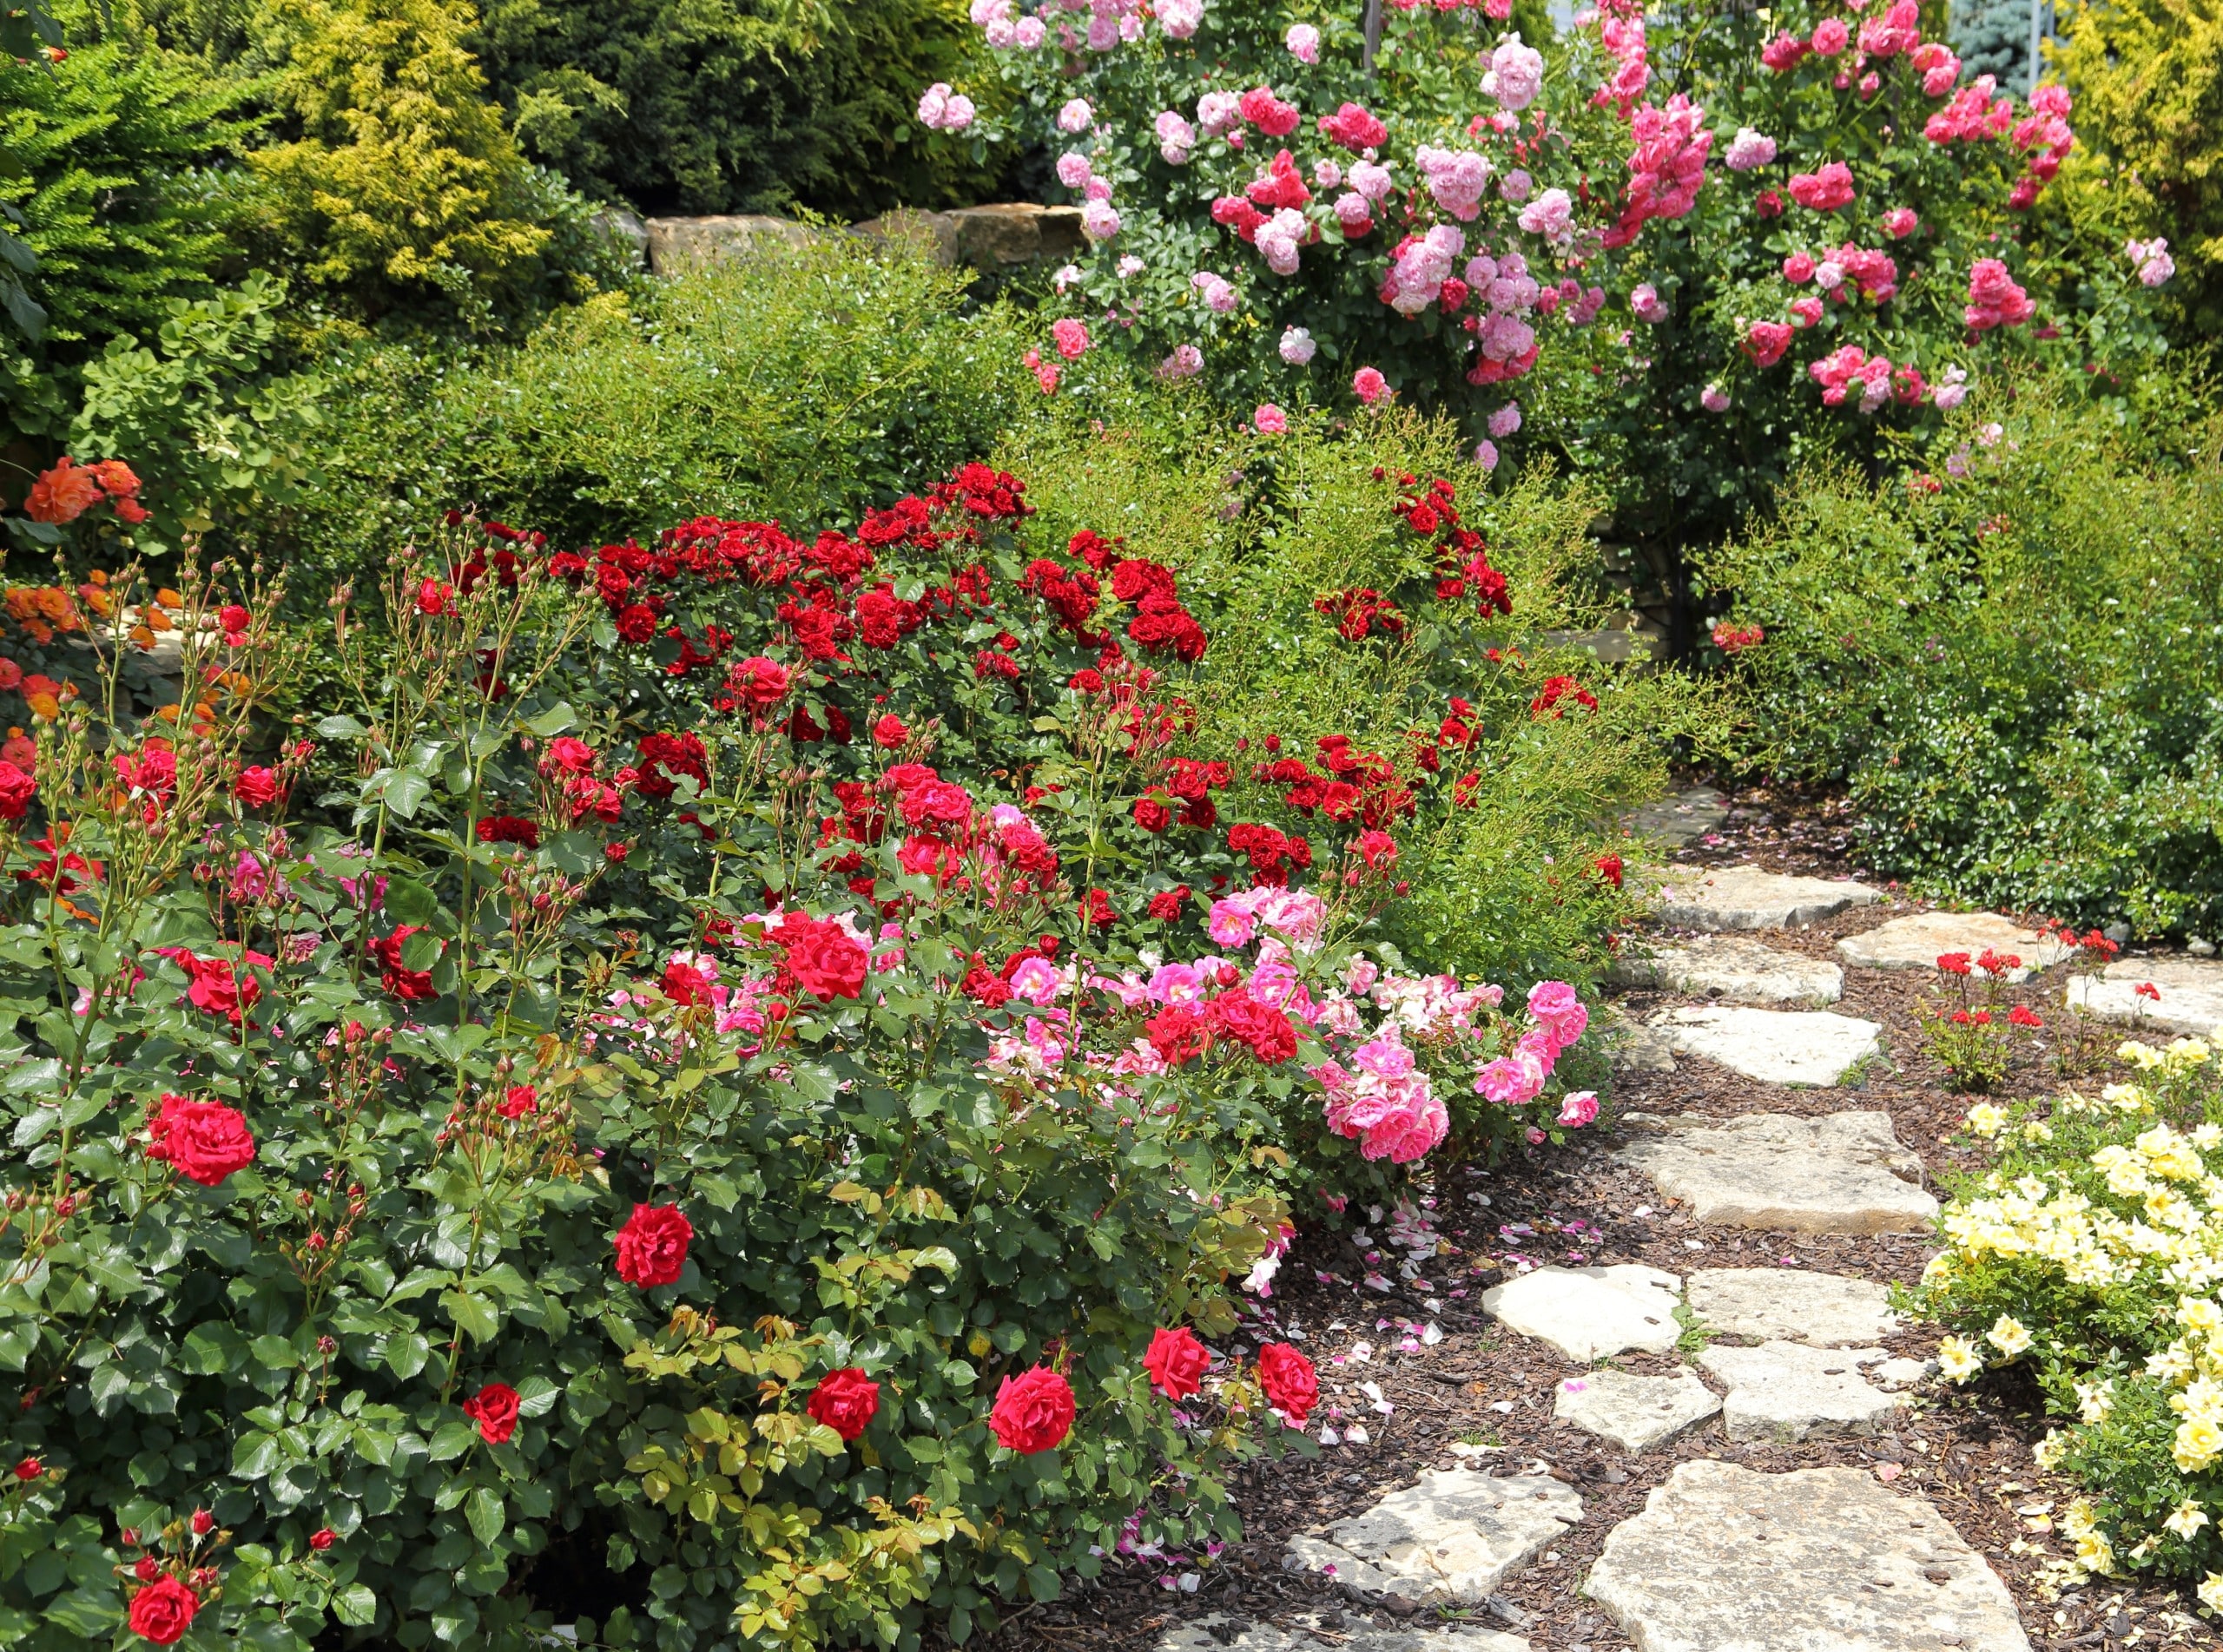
(1589, 1312)
(1452, 1538)
(1737, 969)
(1900, 1372)
(2191, 1002)
(1812, 1047)
(1787, 1392)
(1634, 1413)
(1746, 898)
(1825, 1310)
(1916, 942)
(2199, 946)
(1844, 1172)
(1688, 1575)
(1633, 1048)
(678, 244)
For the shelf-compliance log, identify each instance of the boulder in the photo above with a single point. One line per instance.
(1844, 1172)
(1916, 942)
(1589, 1312)
(1790, 1304)
(1786, 1391)
(1722, 898)
(2190, 988)
(1725, 1559)
(1633, 1413)
(1451, 1539)
(1812, 1047)
(1735, 969)
(677, 244)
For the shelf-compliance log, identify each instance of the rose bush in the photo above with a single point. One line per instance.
(597, 1163)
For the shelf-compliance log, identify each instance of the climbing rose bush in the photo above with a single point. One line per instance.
(1261, 210)
(2088, 1256)
(1827, 225)
(726, 1123)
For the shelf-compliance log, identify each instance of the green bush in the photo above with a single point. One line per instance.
(2019, 675)
(2085, 1259)
(806, 384)
(2148, 79)
(733, 105)
(112, 146)
(1505, 887)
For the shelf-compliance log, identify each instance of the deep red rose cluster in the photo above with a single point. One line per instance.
(205, 1141)
(652, 1245)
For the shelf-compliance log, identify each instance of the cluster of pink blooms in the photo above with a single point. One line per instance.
(1620, 29)
(1749, 150)
(1666, 166)
(1993, 299)
(1877, 379)
(944, 111)
(1518, 1077)
(1873, 272)
(2152, 259)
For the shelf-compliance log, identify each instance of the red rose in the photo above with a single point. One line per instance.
(889, 732)
(256, 787)
(322, 1540)
(822, 957)
(203, 1523)
(652, 1245)
(846, 1401)
(1151, 815)
(1033, 1411)
(411, 986)
(494, 1408)
(206, 1141)
(16, 791)
(1165, 906)
(1609, 868)
(1175, 1362)
(30, 1469)
(520, 1099)
(760, 681)
(1260, 1027)
(1178, 1034)
(163, 1610)
(566, 755)
(432, 596)
(1286, 1375)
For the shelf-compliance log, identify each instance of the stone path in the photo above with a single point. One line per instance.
(1677, 1370)
(2187, 994)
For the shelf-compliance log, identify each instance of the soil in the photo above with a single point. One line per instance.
(1968, 1451)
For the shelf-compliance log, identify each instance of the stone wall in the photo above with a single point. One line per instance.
(991, 239)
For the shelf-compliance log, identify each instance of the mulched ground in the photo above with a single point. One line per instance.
(1968, 1452)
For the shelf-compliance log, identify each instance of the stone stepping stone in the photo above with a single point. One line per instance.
(1916, 942)
(1789, 1304)
(1589, 1312)
(1451, 1539)
(1731, 967)
(1633, 1413)
(2191, 989)
(1786, 1391)
(1632, 1047)
(1812, 1047)
(1844, 1172)
(1725, 1559)
(1681, 819)
(1219, 1633)
(1720, 897)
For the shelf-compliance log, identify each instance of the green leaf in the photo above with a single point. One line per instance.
(483, 1510)
(355, 1605)
(472, 1314)
(406, 1353)
(409, 902)
(554, 721)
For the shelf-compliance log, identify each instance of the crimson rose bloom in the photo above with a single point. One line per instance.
(163, 1610)
(256, 787)
(1286, 1375)
(322, 1540)
(1175, 1361)
(1033, 1411)
(652, 1245)
(845, 1400)
(16, 791)
(822, 957)
(1264, 1029)
(206, 1141)
(494, 1408)
(760, 681)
